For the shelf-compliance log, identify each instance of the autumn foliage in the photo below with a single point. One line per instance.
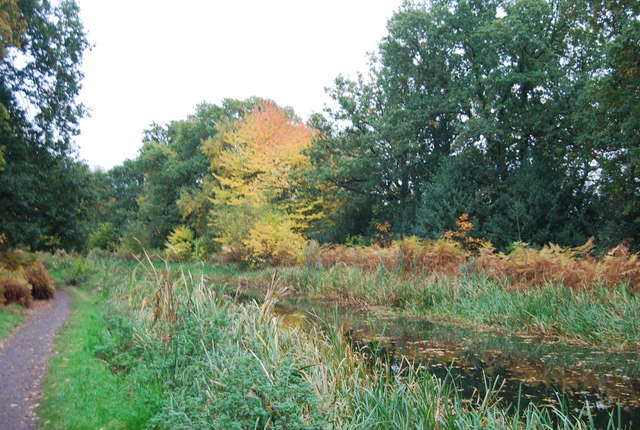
(456, 254)
(180, 244)
(383, 235)
(43, 285)
(574, 267)
(16, 291)
(410, 254)
(521, 269)
(23, 278)
(258, 213)
(273, 240)
(461, 235)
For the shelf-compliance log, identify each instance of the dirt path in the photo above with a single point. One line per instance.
(23, 362)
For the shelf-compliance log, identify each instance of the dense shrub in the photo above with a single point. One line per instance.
(619, 265)
(522, 268)
(16, 291)
(77, 271)
(441, 257)
(180, 244)
(136, 237)
(105, 236)
(43, 286)
(273, 240)
(15, 260)
(574, 267)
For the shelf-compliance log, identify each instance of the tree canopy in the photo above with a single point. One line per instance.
(505, 87)
(41, 186)
(522, 114)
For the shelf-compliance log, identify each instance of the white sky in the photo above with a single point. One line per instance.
(155, 60)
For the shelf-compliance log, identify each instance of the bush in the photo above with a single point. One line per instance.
(16, 291)
(383, 236)
(180, 245)
(136, 237)
(205, 247)
(441, 257)
(15, 260)
(104, 237)
(43, 286)
(78, 271)
(274, 240)
(620, 266)
(573, 267)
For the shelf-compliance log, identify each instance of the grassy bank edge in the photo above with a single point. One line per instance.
(10, 318)
(80, 391)
(599, 316)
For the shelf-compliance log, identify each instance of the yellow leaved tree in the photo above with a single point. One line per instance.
(258, 212)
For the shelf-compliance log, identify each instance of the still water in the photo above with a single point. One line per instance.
(522, 369)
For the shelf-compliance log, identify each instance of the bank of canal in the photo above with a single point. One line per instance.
(593, 381)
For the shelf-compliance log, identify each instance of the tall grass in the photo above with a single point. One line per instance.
(598, 314)
(522, 268)
(219, 364)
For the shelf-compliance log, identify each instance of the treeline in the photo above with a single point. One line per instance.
(44, 199)
(523, 114)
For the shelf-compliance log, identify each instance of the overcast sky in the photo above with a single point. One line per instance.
(155, 60)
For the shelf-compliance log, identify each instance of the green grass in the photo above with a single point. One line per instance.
(150, 348)
(604, 316)
(10, 318)
(83, 392)
(599, 315)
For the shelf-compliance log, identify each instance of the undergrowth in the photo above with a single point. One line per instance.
(598, 314)
(23, 278)
(159, 348)
(522, 268)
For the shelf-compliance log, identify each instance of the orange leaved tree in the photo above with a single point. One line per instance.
(257, 203)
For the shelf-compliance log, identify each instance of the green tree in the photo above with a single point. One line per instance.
(453, 191)
(610, 118)
(41, 52)
(497, 78)
(116, 193)
(537, 207)
(389, 132)
(175, 166)
(163, 177)
(126, 183)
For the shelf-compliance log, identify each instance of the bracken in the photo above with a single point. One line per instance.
(41, 281)
(16, 291)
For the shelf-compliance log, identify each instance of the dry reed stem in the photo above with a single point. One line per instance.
(522, 269)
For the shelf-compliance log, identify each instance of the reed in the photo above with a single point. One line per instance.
(229, 365)
(597, 314)
(522, 268)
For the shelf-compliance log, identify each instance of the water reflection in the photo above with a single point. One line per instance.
(525, 369)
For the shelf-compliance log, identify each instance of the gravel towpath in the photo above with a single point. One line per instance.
(23, 362)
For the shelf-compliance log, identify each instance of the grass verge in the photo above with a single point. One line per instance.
(80, 390)
(10, 318)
